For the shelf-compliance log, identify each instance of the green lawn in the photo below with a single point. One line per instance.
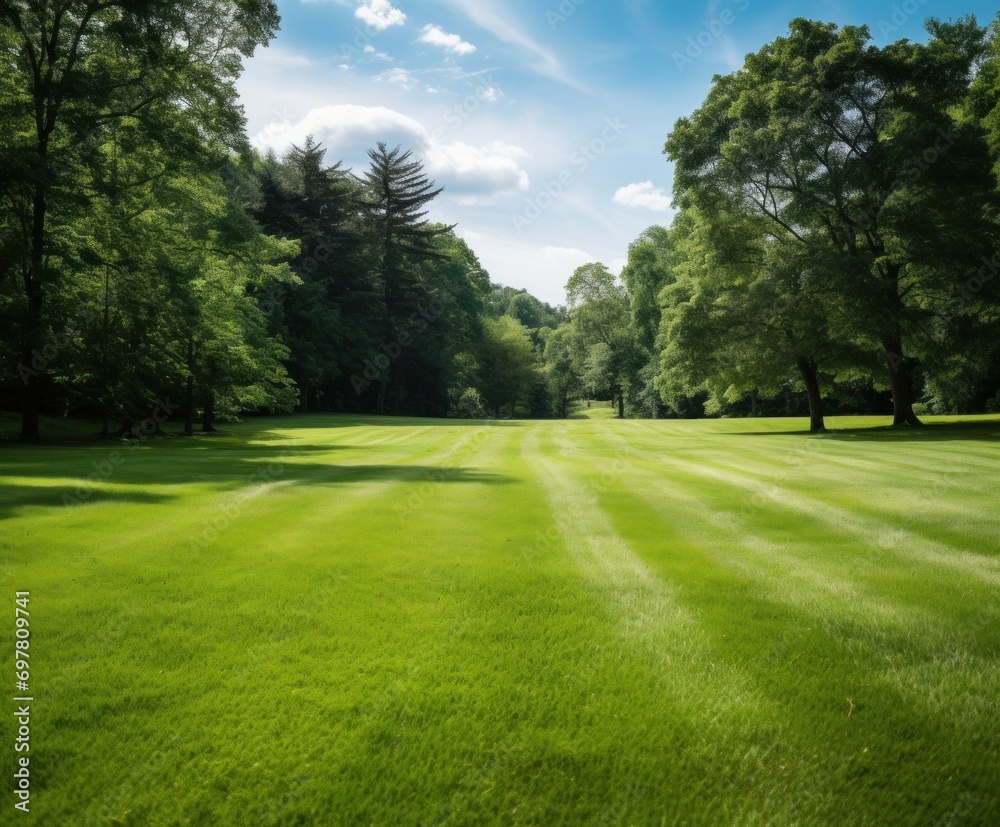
(361, 621)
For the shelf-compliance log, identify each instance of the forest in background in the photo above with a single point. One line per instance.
(833, 250)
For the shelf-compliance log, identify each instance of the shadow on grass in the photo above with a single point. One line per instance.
(256, 465)
(930, 432)
(17, 498)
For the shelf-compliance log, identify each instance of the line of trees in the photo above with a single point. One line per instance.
(833, 249)
(834, 245)
(150, 259)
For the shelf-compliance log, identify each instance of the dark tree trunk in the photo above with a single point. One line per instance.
(807, 367)
(753, 404)
(621, 406)
(380, 408)
(31, 408)
(189, 406)
(208, 414)
(189, 391)
(31, 404)
(304, 396)
(900, 381)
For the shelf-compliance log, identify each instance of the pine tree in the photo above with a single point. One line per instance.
(398, 190)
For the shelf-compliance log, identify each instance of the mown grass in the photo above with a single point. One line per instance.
(347, 620)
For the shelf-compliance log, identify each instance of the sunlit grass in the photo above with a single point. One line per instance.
(348, 620)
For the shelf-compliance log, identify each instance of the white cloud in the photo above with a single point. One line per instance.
(369, 49)
(567, 256)
(471, 174)
(478, 174)
(380, 14)
(644, 196)
(436, 36)
(400, 76)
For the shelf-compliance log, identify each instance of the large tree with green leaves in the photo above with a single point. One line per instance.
(599, 312)
(744, 313)
(853, 153)
(509, 364)
(73, 68)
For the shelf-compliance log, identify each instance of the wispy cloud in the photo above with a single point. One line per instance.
(400, 76)
(497, 19)
(436, 36)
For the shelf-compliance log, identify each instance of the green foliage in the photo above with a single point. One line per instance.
(72, 72)
(509, 364)
(864, 189)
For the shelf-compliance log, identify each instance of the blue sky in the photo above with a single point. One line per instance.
(544, 121)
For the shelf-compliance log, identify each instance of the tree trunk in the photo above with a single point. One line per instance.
(31, 408)
(189, 392)
(304, 396)
(380, 408)
(189, 407)
(208, 414)
(753, 404)
(900, 383)
(808, 369)
(31, 404)
(621, 406)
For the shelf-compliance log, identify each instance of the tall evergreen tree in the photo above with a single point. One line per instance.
(398, 190)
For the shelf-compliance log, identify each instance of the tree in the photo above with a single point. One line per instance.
(744, 312)
(599, 310)
(561, 369)
(398, 191)
(78, 66)
(649, 270)
(509, 363)
(854, 154)
(324, 317)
